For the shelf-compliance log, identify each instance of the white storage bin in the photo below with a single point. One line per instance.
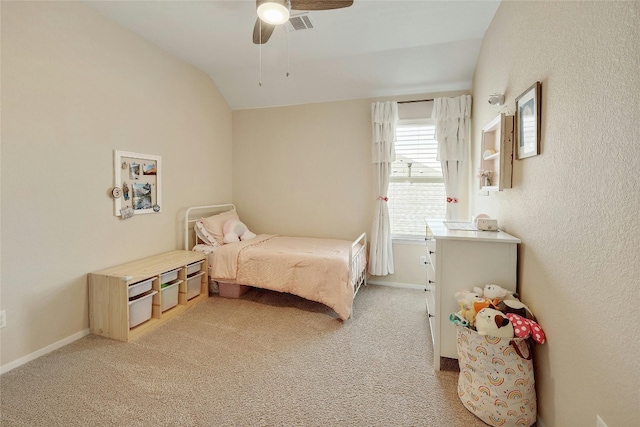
(170, 295)
(140, 287)
(169, 276)
(194, 285)
(194, 268)
(140, 309)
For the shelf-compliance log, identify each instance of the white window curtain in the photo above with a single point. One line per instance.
(452, 133)
(384, 116)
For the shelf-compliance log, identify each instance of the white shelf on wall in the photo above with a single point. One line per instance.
(492, 156)
(497, 139)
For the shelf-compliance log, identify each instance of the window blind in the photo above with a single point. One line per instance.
(416, 185)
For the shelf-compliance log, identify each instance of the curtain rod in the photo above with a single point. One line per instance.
(417, 100)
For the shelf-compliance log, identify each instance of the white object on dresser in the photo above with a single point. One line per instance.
(460, 260)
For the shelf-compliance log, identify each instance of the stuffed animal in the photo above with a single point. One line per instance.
(466, 298)
(497, 292)
(515, 307)
(467, 301)
(523, 328)
(480, 304)
(494, 323)
(234, 231)
(458, 319)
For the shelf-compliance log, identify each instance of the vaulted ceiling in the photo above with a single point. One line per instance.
(373, 48)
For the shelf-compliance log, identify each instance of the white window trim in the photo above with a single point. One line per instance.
(408, 240)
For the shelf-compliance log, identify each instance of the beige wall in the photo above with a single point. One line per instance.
(75, 87)
(576, 205)
(304, 170)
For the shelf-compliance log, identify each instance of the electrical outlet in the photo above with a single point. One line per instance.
(423, 260)
(3, 318)
(599, 422)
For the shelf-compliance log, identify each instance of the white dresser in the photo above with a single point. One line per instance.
(459, 260)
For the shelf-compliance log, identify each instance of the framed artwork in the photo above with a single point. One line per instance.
(137, 176)
(528, 120)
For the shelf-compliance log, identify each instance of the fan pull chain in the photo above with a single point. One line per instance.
(288, 50)
(260, 56)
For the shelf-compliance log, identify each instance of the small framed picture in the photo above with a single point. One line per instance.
(528, 120)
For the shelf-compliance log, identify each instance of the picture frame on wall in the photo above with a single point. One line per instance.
(528, 121)
(137, 175)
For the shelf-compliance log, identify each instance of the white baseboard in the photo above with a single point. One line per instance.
(48, 349)
(396, 284)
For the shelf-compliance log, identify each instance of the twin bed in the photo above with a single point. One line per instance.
(328, 271)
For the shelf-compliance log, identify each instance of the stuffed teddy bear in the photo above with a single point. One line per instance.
(494, 323)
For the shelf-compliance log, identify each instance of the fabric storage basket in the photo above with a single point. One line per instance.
(496, 381)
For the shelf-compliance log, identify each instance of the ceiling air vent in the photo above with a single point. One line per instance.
(299, 22)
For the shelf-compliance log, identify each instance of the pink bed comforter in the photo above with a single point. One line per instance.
(312, 268)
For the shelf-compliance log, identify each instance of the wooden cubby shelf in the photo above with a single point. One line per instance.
(109, 310)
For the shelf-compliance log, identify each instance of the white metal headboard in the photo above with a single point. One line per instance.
(190, 217)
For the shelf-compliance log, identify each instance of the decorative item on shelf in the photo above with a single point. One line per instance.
(485, 176)
(489, 154)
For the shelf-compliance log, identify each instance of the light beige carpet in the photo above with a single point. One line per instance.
(267, 359)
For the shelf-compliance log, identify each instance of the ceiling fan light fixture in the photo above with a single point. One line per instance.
(274, 12)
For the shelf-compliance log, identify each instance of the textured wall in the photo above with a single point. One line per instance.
(575, 206)
(75, 87)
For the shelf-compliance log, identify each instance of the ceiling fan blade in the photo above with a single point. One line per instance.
(267, 30)
(320, 4)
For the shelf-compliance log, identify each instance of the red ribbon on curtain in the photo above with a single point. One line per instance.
(386, 199)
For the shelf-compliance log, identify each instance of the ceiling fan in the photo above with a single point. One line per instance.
(276, 12)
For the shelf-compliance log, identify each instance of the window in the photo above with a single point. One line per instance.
(416, 185)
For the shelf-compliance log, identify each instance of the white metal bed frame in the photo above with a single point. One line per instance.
(357, 251)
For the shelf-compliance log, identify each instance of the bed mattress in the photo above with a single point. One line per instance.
(312, 268)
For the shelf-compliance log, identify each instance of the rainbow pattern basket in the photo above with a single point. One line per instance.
(496, 381)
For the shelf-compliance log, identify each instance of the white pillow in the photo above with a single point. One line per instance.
(214, 224)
